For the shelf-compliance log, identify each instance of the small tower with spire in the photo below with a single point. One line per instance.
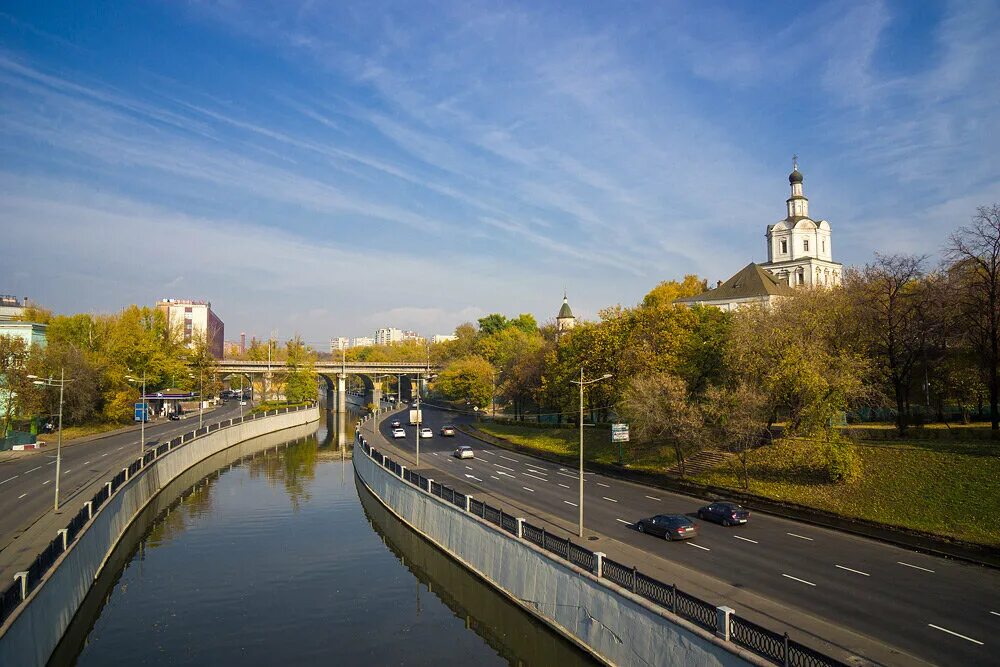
(565, 320)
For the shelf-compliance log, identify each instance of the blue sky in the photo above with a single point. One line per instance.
(324, 168)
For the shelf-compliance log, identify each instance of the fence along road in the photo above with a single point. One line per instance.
(894, 605)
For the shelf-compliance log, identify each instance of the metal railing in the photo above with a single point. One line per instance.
(777, 648)
(28, 580)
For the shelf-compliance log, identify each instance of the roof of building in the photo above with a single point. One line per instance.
(565, 312)
(795, 176)
(749, 282)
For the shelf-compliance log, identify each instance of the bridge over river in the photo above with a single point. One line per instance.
(335, 374)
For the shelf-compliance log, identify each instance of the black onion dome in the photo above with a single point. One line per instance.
(795, 176)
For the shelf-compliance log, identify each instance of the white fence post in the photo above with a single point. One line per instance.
(599, 563)
(520, 527)
(64, 533)
(90, 509)
(722, 622)
(468, 501)
(23, 578)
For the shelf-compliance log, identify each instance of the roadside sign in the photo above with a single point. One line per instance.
(141, 412)
(619, 433)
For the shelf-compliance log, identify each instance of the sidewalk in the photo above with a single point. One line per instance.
(803, 626)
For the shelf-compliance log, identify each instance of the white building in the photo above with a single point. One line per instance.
(11, 307)
(339, 343)
(413, 336)
(799, 254)
(362, 341)
(443, 338)
(565, 320)
(388, 336)
(195, 319)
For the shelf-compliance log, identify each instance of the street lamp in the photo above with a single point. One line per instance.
(583, 382)
(145, 412)
(201, 394)
(420, 379)
(61, 383)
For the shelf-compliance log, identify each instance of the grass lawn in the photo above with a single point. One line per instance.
(72, 432)
(949, 489)
(597, 445)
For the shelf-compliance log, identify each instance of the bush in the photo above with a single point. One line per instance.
(841, 465)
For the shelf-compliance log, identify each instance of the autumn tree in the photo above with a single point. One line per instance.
(660, 409)
(13, 378)
(974, 254)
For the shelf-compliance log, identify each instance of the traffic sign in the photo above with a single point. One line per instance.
(619, 433)
(141, 412)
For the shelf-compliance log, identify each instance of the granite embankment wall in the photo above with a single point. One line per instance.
(33, 630)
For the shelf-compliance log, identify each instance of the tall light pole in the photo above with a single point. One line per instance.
(420, 379)
(61, 383)
(201, 394)
(583, 382)
(145, 413)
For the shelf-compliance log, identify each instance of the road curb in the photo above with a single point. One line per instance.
(928, 543)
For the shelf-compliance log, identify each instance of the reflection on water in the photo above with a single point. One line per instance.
(267, 557)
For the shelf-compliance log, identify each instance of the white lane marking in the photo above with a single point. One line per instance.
(797, 579)
(539, 471)
(503, 466)
(864, 574)
(995, 613)
(698, 546)
(562, 485)
(566, 475)
(501, 472)
(968, 639)
(569, 503)
(22, 496)
(434, 453)
(449, 460)
(611, 499)
(627, 523)
(527, 489)
(121, 448)
(51, 463)
(86, 463)
(526, 474)
(486, 451)
(746, 539)
(606, 486)
(103, 455)
(495, 477)
(46, 482)
(66, 472)
(801, 537)
(14, 477)
(915, 567)
(32, 470)
(473, 477)
(652, 498)
(507, 458)
(468, 467)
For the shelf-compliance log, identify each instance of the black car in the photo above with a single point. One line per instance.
(669, 526)
(728, 514)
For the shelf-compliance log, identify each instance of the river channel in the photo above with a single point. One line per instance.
(280, 557)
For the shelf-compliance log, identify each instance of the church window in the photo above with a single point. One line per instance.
(805, 244)
(784, 247)
(823, 245)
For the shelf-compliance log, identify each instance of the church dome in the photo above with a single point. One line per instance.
(795, 176)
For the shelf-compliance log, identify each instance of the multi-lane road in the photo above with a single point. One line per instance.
(935, 609)
(27, 483)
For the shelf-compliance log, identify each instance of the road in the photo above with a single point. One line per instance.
(26, 483)
(940, 610)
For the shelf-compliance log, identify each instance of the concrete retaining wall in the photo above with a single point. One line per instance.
(613, 624)
(35, 629)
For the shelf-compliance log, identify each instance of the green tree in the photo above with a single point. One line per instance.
(14, 382)
(660, 409)
(469, 378)
(493, 323)
(300, 379)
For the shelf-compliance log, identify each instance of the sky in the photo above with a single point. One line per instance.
(325, 168)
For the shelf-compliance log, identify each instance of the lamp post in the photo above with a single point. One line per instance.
(61, 383)
(145, 412)
(583, 382)
(420, 379)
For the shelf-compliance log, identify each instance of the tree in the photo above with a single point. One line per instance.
(889, 300)
(493, 323)
(300, 381)
(740, 415)
(13, 378)
(974, 254)
(469, 378)
(659, 408)
(668, 291)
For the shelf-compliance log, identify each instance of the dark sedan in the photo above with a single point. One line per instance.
(669, 526)
(728, 514)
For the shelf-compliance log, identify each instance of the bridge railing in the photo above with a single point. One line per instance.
(722, 621)
(28, 580)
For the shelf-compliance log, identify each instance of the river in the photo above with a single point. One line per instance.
(281, 557)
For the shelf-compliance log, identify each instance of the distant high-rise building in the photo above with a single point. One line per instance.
(193, 319)
(339, 343)
(362, 341)
(443, 338)
(388, 336)
(243, 342)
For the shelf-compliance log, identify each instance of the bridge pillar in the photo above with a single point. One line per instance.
(341, 393)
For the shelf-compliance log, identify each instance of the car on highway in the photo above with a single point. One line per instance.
(668, 526)
(464, 452)
(728, 514)
(396, 424)
(426, 433)
(448, 431)
(398, 433)
(174, 416)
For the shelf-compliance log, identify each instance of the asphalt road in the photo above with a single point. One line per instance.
(940, 610)
(26, 483)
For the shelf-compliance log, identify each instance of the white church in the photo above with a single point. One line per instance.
(799, 254)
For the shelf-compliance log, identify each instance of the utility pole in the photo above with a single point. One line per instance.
(61, 383)
(583, 382)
